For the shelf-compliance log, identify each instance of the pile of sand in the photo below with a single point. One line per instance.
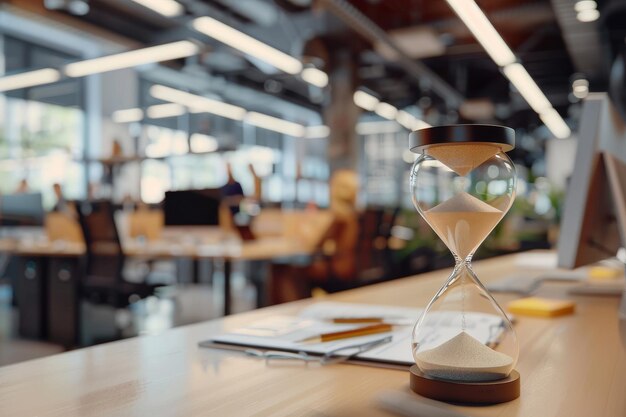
(464, 358)
(463, 222)
(462, 158)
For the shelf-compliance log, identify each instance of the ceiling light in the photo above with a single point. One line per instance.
(78, 7)
(408, 156)
(588, 15)
(134, 58)
(196, 103)
(203, 143)
(364, 100)
(315, 77)
(317, 132)
(527, 87)
(273, 123)
(410, 122)
(406, 119)
(583, 5)
(160, 111)
(580, 88)
(127, 115)
(167, 8)
(420, 124)
(29, 79)
(374, 128)
(484, 32)
(247, 44)
(386, 110)
(555, 123)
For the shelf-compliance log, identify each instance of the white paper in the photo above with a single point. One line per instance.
(287, 332)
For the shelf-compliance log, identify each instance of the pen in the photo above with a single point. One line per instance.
(345, 334)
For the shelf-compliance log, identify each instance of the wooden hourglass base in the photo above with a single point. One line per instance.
(488, 392)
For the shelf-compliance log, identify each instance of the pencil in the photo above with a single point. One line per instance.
(394, 321)
(358, 320)
(345, 334)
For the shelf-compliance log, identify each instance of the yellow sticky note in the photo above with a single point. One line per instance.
(541, 307)
(603, 273)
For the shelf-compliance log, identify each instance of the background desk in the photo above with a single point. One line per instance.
(570, 366)
(50, 274)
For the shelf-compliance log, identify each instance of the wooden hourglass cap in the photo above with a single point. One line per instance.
(501, 136)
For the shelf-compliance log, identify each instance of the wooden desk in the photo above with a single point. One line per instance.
(570, 366)
(263, 249)
(177, 245)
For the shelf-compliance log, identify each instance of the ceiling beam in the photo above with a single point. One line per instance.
(374, 33)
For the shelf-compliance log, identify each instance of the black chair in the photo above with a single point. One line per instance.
(104, 281)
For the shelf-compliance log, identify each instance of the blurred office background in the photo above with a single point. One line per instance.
(279, 96)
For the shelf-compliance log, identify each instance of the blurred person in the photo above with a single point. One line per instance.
(22, 187)
(338, 265)
(94, 191)
(232, 195)
(344, 186)
(257, 194)
(232, 191)
(62, 205)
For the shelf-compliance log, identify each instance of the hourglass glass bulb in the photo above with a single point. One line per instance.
(446, 179)
(463, 222)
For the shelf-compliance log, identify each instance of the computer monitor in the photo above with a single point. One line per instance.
(21, 210)
(192, 208)
(594, 217)
(590, 227)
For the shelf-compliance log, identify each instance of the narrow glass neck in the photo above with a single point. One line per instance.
(459, 261)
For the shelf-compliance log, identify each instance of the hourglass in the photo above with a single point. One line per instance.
(462, 184)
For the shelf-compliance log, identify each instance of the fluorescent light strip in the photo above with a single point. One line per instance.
(196, 103)
(203, 143)
(167, 8)
(374, 128)
(365, 100)
(29, 79)
(134, 58)
(553, 121)
(386, 110)
(410, 122)
(406, 119)
(484, 32)
(127, 115)
(369, 102)
(160, 111)
(584, 5)
(273, 123)
(247, 44)
(587, 16)
(317, 132)
(315, 77)
(420, 124)
(476, 21)
(527, 87)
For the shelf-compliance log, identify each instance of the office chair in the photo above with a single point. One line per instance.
(373, 256)
(104, 281)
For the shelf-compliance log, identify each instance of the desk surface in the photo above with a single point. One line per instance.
(259, 249)
(570, 366)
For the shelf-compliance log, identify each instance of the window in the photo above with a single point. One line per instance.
(42, 128)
